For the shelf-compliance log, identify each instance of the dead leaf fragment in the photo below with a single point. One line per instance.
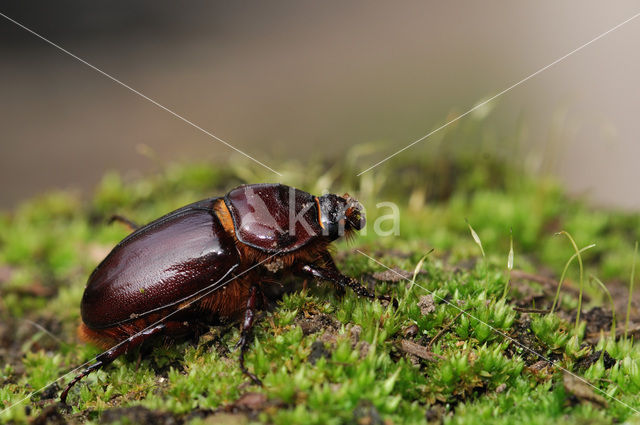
(582, 390)
(251, 401)
(417, 350)
(426, 304)
(354, 334)
(393, 275)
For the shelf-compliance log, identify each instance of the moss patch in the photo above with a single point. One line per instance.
(328, 359)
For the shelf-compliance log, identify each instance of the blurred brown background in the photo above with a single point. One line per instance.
(303, 79)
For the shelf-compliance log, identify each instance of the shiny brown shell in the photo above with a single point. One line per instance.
(274, 217)
(159, 265)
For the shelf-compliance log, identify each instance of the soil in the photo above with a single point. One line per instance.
(521, 332)
(620, 294)
(50, 415)
(318, 351)
(367, 414)
(314, 323)
(139, 415)
(585, 362)
(597, 319)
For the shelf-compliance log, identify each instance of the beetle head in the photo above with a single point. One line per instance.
(340, 215)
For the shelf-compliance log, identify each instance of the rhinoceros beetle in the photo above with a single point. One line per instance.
(211, 260)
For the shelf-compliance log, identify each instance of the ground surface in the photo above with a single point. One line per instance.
(450, 352)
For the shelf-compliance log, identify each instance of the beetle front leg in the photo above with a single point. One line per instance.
(247, 325)
(329, 271)
(337, 278)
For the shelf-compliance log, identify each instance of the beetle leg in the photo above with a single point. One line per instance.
(330, 266)
(247, 325)
(124, 220)
(329, 271)
(334, 276)
(110, 355)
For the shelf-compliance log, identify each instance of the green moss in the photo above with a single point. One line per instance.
(54, 242)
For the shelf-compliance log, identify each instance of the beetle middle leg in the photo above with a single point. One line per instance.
(247, 326)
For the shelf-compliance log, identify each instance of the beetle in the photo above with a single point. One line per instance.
(209, 261)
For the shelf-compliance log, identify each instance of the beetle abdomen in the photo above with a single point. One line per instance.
(159, 265)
